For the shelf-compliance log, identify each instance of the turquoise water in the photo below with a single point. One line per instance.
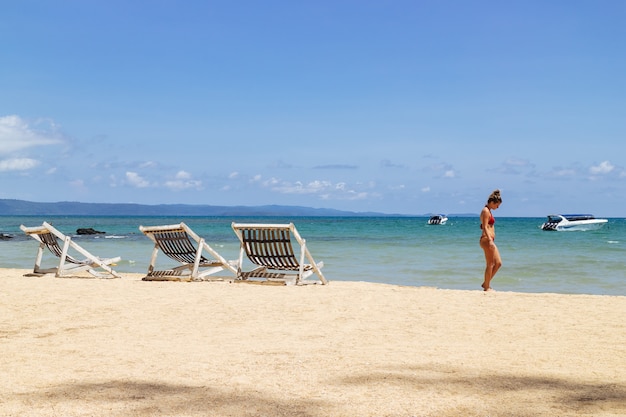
(403, 250)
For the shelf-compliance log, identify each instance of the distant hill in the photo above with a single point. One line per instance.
(68, 208)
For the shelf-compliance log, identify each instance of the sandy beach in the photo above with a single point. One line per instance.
(123, 347)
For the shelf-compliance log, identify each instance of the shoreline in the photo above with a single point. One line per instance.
(385, 251)
(120, 347)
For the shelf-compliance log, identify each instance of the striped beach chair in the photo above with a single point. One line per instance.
(50, 238)
(187, 249)
(269, 247)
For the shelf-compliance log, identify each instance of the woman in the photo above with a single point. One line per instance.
(487, 238)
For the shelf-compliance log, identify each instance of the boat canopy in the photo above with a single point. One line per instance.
(574, 217)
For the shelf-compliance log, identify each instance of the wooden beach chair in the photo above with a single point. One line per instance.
(183, 245)
(269, 247)
(49, 237)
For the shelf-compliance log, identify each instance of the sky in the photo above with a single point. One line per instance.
(391, 106)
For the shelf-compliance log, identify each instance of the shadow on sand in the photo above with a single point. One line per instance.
(414, 385)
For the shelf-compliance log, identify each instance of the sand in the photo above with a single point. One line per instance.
(123, 347)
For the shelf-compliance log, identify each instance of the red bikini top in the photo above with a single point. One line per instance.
(491, 221)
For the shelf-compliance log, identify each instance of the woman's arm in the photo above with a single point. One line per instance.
(485, 215)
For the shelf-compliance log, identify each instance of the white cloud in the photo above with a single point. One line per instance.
(354, 195)
(325, 190)
(604, 167)
(183, 185)
(441, 170)
(148, 164)
(182, 181)
(183, 175)
(268, 183)
(514, 166)
(317, 186)
(298, 187)
(136, 180)
(564, 172)
(233, 175)
(18, 164)
(16, 134)
(426, 189)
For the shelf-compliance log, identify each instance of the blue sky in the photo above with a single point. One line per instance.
(400, 106)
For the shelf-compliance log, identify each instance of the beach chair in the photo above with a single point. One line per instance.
(269, 247)
(183, 245)
(50, 238)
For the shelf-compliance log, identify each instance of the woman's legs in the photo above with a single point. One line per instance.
(493, 262)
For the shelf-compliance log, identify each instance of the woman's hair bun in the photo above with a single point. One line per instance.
(495, 197)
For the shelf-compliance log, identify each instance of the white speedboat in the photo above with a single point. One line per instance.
(438, 219)
(566, 222)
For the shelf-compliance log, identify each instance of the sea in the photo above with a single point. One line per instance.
(402, 251)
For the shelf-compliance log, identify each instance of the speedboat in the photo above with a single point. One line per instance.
(566, 222)
(438, 219)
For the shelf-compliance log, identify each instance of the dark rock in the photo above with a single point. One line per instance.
(88, 231)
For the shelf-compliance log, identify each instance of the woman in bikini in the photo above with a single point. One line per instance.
(487, 238)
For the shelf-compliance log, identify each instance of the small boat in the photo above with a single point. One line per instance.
(438, 219)
(573, 222)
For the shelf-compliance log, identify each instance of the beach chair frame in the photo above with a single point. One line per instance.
(48, 237)
(270, 248)
(181, 244)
